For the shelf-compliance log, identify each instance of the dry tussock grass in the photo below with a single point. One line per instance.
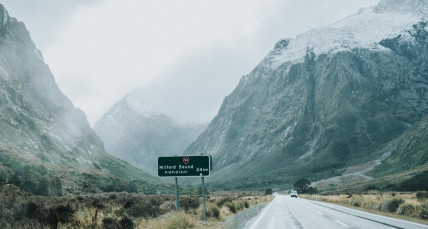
(413, 205)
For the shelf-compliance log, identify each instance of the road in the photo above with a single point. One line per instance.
(285, 212)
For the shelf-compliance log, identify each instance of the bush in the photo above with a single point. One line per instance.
(110, 223)
(423, 214)
(355, 201)
(223, 200)
(421, 195)
(231, 206)
(144, 209)
(212, 211)
(268, 191)
(241, 204)
(126, 223)
(49, 216)
(371, 204)
(187, 203)
(311, 190)
(391, 205)
(406, 209)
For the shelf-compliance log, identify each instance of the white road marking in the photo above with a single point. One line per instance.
(337, 221)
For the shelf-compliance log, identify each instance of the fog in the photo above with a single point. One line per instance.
(183, 56)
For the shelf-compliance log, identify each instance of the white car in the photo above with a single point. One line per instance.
(293, 194)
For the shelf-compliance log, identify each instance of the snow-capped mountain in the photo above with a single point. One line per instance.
(46, 144)
(364, 30)
(327, 99)
(137, 132)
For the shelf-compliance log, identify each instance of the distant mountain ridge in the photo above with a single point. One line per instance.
(138, 133)
(330, 98)
(46, 145)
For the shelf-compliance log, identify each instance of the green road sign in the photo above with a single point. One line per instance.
(184, 166)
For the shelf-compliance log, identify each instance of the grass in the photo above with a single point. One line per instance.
(19, 209)
(219, 207)
(406, 206)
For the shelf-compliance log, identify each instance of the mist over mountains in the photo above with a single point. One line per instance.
(139, 133)
(46, 145)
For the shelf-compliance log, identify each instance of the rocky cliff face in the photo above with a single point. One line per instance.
(139, 135)
(46, 145)
(329, 98)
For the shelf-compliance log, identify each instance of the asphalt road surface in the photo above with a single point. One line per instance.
(286, 212)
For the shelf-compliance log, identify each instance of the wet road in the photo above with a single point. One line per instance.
(286, 212)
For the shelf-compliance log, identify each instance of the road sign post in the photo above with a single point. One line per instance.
(176, 195)
(203, 194)
(185, 166)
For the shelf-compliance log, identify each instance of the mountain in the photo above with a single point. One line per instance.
(46, 145)
(412, 151)
(330, 98)
(138, 133)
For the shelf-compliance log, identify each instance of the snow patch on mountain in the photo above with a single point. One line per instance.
(363, 30)
(141, 107)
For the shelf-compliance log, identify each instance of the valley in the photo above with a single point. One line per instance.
(342, 109)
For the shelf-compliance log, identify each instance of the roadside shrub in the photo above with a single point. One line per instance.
(268, 191)
(187, 203)
(355, 201)
(110, 223)
(97, 204)
(241, 204)
(391, 205)
(231, 206)
(49, 215)
(168, 206)
(423, 214)
(223, 200)
(126, 223)
(144, 209)
(406, 209)
(421, 195)
(371, 204)
(212, 211)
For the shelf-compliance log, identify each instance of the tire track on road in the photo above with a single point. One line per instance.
(293, 217)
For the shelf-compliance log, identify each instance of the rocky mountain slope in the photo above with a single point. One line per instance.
(412, 151)
(330, 98)
(137, 133)
(46, 145)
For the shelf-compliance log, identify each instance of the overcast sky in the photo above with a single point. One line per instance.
(187, 55)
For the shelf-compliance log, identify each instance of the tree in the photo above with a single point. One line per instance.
(301, 185)
(268, 191)
(311, 190)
